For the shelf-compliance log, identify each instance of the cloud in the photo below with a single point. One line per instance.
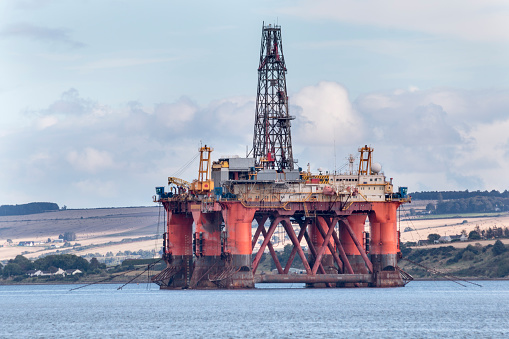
(468, 20)
(66, 111)
(324, 114)
(46, 121)
(90, 160)
(81, 153)
(75, 143)
(448, 138)
(70, 103)
(40, 33)
(97, 188)
(175, 116)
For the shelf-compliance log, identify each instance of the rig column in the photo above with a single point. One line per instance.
(356, 222)
(384, 244)
(207, 248)
(238, 220)
(178, 251)
(375, 243)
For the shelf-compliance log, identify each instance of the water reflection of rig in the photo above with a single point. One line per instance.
(209, 241)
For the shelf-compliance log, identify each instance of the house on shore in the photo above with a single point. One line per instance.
(73, 271)
(452, 238)
(39, 273)
(34, 273)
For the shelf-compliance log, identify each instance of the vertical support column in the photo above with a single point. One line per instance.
(207, 246)
(384, 244)
(375, 243)
(389, 237)
(178, 251)
(384, 234)
(356, 222)
(238, 220)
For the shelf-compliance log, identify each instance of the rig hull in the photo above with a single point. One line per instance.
(227, 251)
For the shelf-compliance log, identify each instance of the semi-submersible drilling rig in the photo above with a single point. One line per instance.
(209, 240)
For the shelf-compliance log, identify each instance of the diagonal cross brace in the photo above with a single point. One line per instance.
(289, 229)
(313, 250)
(303, 227)
(344, 260)
(325, 244)
(273, 253)
(271, 230)
(346, 224)
(261, 224)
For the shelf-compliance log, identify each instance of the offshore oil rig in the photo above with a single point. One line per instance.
(209, 241)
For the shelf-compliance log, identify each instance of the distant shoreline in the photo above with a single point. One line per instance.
(2, 283)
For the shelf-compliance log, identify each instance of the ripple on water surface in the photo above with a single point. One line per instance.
(421, 309)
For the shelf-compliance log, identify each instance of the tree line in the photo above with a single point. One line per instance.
(30, 208)
(476, 204)
(452, 195)
(476, 234)
(20, 264)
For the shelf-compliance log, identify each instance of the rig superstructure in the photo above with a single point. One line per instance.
(209, 241)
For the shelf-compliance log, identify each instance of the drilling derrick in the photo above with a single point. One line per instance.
(272, 142)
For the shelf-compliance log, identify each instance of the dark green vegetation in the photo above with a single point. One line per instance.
(470, 205)
(68, 236)
(457, 215)
(267, 264)
(479, 202)
(137, 262)
(16, 269)
(453, 195)
(110, 255)
(474, 261)
(31, 208)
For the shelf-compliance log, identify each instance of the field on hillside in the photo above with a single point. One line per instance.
(93, 227)
(422, 227)
(114, 230)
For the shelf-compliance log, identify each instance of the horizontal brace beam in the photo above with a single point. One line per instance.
(318, 278)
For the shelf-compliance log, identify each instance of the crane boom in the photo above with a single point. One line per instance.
(178, 182)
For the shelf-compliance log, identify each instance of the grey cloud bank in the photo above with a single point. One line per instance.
(102, 100)
(84, 154)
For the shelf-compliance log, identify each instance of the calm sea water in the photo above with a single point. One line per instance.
(419, 310)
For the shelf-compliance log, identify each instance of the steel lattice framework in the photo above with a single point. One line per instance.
(272, 142)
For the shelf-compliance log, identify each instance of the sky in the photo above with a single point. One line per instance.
(102, 100)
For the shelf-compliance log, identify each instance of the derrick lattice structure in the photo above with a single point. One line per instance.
(272, 142)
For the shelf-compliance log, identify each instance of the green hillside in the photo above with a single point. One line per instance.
(474, 261)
